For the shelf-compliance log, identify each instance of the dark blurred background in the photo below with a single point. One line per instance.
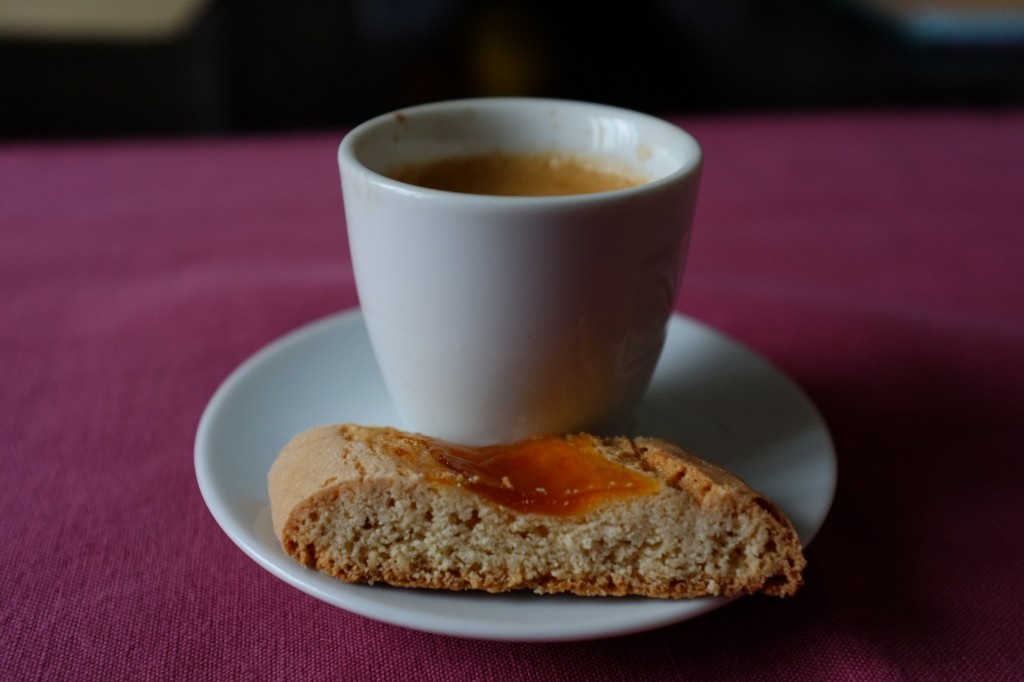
(74, 68)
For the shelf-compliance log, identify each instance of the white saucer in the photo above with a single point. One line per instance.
(709, 394)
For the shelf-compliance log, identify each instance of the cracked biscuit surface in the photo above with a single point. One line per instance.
(369, 504)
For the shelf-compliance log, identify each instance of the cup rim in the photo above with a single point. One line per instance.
(347, 157)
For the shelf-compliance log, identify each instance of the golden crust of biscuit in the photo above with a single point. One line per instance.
(365, 504)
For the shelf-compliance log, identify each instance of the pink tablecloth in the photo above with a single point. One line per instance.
(877, 259)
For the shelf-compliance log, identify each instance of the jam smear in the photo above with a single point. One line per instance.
(556, 476)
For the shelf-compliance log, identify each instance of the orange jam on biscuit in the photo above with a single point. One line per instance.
(557, 476)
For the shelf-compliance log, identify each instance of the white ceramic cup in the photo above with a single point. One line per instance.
(497, 318)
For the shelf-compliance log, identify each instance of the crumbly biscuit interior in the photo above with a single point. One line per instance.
(417, 530)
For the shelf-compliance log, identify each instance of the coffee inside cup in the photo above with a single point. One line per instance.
(506, 174)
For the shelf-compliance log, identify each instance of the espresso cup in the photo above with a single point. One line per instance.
(497, 317)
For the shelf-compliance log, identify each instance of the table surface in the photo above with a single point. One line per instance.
(874, 257)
